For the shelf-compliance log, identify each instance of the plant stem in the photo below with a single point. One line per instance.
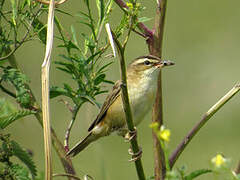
(155, 48)
(127, 108)
(45, 93)
(147, 32)
(67, 134)
(180, 148)
(57, 144)
(237, 170)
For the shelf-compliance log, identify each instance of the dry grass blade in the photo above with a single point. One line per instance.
(45, 94)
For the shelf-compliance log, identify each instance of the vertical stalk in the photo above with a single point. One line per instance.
(127, 109)
(155, 48)
(45, 94)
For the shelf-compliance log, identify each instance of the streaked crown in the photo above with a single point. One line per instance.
(146, 63)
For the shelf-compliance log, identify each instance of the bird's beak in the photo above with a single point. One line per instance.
(164, 63)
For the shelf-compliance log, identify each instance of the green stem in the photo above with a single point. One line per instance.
(180, 148)
(67, 134)
(127, 109)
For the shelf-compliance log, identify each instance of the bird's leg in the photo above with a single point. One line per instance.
(135, 156)
(130, 135)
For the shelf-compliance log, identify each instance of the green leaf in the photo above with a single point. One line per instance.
(57, 91)
(14, 11)
(101, 70)
(143, 19)
(19, 173)
(99, 79)
(74, 36)
(63, 12)
(91, 100)
(9, 114)
(101, 9)
(197, 173)
(83, 15)
(19, 81)
(24, 157)
(40, 29)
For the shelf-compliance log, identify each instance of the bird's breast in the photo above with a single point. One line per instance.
(142, 95)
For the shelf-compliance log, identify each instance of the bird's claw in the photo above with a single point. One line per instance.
(135, 156)
(130, 135)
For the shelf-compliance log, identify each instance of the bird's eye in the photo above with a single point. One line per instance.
(147, 62)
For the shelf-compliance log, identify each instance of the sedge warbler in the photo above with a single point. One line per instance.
(142, 76)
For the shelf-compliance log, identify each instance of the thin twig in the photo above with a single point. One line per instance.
(17, 45)
(67, 134)
(180, 148)
(45, 93)
(127, 108)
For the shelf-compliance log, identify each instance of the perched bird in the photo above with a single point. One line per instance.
(142, 76)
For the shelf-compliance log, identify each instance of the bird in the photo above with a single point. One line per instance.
(142, 74)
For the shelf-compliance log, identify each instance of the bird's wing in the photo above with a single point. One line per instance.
(108, 102)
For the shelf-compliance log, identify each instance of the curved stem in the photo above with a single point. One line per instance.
(180, 148)
(67, 134)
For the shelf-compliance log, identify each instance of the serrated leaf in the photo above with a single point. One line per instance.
(24, 157)
(19, 81)
(19, 173)
(9, 114)
(197, 173)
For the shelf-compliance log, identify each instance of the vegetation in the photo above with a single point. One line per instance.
(82, 62)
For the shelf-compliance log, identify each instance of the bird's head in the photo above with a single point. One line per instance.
(147, 65)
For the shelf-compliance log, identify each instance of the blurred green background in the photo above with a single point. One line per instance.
(203, 38)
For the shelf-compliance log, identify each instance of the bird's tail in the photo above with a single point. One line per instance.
(82, 144)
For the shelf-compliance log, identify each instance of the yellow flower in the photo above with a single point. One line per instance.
(218, 160)
(130, 5)
(164, 134)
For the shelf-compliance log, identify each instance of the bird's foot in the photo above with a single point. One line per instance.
(130, 135)
(135, 156)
